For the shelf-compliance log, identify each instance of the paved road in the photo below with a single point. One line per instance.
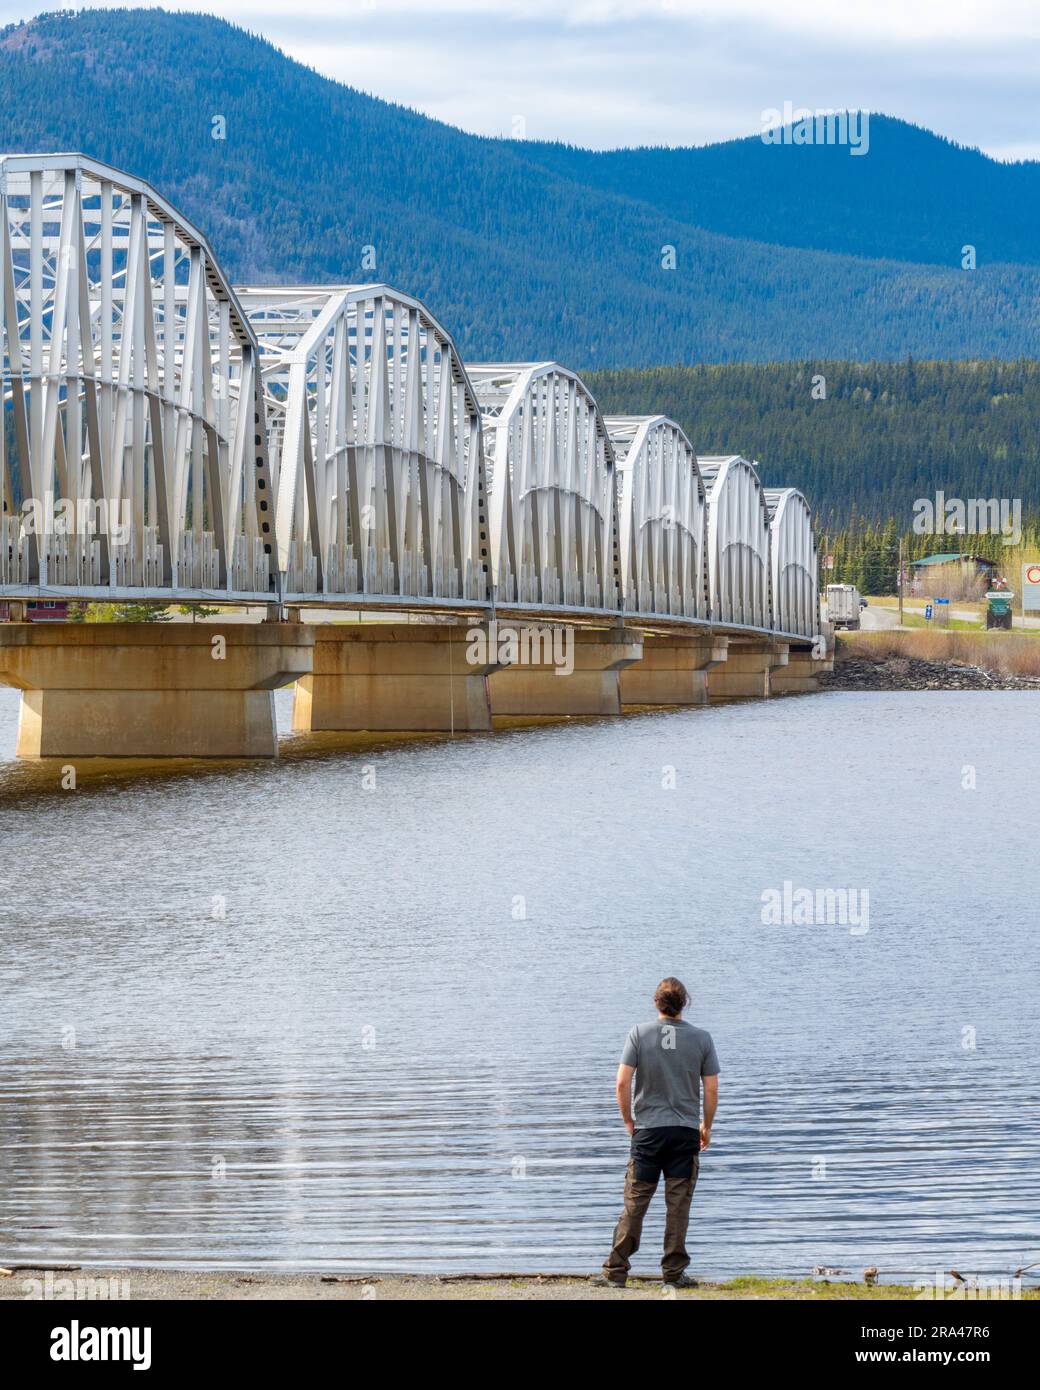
(874, 619)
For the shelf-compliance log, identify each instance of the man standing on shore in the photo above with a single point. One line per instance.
(668, 1057)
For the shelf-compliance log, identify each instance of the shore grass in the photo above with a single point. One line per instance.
(1009, 653)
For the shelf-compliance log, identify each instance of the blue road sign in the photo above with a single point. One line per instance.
(928, 612)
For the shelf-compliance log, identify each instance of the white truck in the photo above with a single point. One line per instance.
(844, 605)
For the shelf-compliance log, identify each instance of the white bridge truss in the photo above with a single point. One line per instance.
(130, 462)
(738, 542)
(166, 437)
(550, 471)
(795, 569)
(375, 445)
(663, 517)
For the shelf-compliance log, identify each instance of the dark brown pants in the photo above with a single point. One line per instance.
(678, 1194)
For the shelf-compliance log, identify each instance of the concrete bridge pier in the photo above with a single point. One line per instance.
(801, 674)
(400, 677)
(672, 671)
(557, 671)
(748, 670)
(150, 690)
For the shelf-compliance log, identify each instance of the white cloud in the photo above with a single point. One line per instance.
(613, 72)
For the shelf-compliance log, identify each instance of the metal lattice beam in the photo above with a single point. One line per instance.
(738, 541)
(663, 517)
(375, 443)
(551, 478)
(139, 443)
(792, 548)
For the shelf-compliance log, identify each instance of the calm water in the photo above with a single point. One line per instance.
(269, 1015)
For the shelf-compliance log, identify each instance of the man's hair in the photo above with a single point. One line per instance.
(671, 997)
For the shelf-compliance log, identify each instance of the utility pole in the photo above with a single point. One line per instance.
(900, 581)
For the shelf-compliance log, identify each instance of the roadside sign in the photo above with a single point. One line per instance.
(1031, 588)
(928, 612)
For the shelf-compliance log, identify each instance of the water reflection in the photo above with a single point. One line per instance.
(361, 1007)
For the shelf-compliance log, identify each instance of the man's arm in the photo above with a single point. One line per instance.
(711, 1100)
(624, 1094)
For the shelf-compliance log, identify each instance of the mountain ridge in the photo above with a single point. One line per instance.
(522, 251)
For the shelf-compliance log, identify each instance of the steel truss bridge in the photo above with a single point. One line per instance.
(170, 438)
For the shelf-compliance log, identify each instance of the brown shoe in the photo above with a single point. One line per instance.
(604, 1281)
(681, 1281)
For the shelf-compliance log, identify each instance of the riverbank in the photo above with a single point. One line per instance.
(934, 661)
(87, 1283)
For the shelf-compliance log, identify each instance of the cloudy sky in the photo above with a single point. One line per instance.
(605, 73)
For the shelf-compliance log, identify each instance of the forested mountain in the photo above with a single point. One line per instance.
(913, 196)
(521, 260)
(886, 433)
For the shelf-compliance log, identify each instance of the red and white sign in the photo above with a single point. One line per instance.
(1031, 588)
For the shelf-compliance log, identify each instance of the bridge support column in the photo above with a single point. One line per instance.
(672, 671)
(564, 671)
(801, 674)
(746, 674)
(147, 690)
(397, 677)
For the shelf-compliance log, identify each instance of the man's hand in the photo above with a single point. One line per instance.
(630, 1125)
(705, 1136)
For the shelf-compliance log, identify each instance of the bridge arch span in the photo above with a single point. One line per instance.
(551, 478)
(793, 563)
(137, 438)
(662, 510)
(375, 440)
(738, 542)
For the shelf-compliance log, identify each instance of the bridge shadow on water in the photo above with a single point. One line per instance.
(32, 779)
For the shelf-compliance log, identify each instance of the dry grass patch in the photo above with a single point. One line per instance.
(1009, 653)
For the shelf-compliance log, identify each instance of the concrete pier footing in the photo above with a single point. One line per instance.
(672, 671)
(747, 672)
(396, 677)
(574, 671)
(801, 675)
(150, 689)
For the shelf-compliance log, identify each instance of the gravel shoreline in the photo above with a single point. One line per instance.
(861, 672)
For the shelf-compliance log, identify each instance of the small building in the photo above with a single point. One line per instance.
(38, 611)
(951, 569)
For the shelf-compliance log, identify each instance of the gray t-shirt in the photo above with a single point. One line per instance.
(670, 1057)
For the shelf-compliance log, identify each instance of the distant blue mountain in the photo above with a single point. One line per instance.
(532, 250)
(912, 196)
